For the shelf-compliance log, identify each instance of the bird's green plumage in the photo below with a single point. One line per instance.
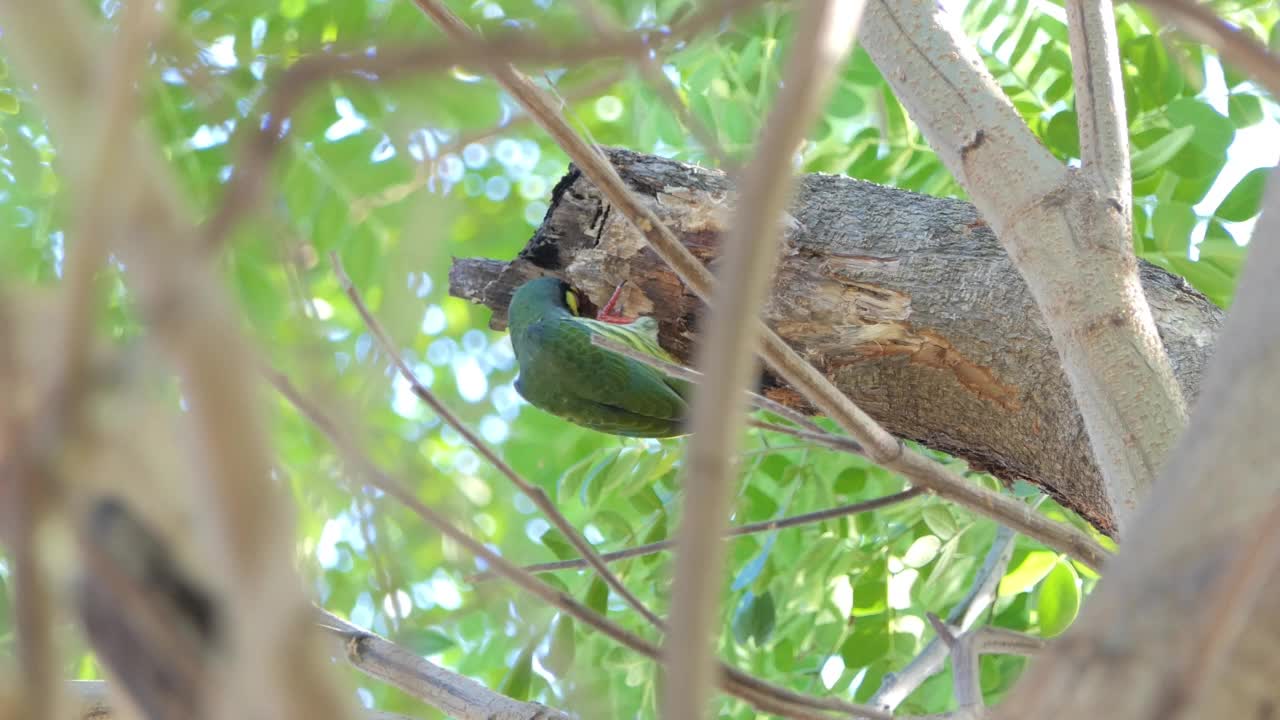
(565, 374)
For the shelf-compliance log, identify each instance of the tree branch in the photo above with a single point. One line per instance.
(727, 359)
(454, 695)
(749, 529)
(1153, 640)
(1070, 242)
(894, 295)
(897, 686)
(1100, 112)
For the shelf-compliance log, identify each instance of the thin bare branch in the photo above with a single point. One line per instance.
(771, 698)
(1104, 130)
(531, 491)
(1235, 46)
(897, 686)
(457, 696)
(749, 529)
(824, 37)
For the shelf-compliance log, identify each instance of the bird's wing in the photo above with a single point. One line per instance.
(599, 375)
(641, 335)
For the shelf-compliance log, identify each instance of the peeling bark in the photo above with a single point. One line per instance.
(906, 301)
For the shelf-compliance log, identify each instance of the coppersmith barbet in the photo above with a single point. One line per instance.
(565, 374)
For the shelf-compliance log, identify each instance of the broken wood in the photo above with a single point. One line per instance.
(906, 301)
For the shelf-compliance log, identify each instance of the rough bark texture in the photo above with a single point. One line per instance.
(906, 301)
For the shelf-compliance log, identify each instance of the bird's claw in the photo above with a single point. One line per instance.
(609, 313)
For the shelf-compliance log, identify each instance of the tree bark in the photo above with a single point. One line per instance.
(1185, 623)
(906, 301)
(1067, 231)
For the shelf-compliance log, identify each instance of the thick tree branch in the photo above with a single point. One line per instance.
(906, 302)
(1154, 639)
(881, 446)
(1069, 240)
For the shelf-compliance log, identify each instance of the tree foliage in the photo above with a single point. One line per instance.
(396, 177)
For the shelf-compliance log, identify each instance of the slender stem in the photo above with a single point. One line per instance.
(752, 528)
(1104, 131)
(823, 38)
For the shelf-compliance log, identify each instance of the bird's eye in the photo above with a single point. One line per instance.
(571, 299)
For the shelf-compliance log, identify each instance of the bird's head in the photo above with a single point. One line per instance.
(541, 297)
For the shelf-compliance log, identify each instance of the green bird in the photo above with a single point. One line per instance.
(565, 374)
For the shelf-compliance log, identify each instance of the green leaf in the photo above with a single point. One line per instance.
(598, 596)
(1213, 132)
(868, 642)
(851, 481)
(846, 102)
(784, 655)
(1062, 135)
(1220, 250)
(9, 104)
(571, 480)
(1158, 154)
(1172, 223)
(754, 619)
(425, 641)
(1059, 600)
(554, 541)
(1245, 109)
(1026, 573)
(292, 9)
(520, 677)
(1245, 199)
(871, 589)
(940, 520)
(922, 551)
(563, 647)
